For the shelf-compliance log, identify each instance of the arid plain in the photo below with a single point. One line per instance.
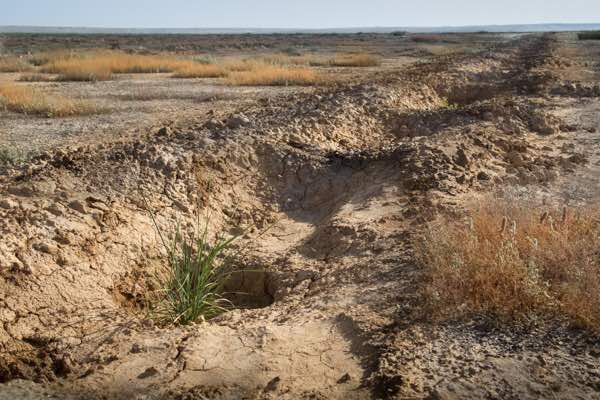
(414, 215)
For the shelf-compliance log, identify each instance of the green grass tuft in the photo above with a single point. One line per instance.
(192, 284)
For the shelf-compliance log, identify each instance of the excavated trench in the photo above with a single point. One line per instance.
(318, 204)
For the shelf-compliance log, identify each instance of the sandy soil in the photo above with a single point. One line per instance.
(336, 182)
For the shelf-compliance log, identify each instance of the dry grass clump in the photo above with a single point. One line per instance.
(197, 70)
(79, 69)
(26, 100)
(84, 71)
(242, 65)
(35, 78)
(355, 60)
(273, 75)
(285, 59)
(251, 63)
(14, 64)
(46, 57)
(514, 262)
(99, 65)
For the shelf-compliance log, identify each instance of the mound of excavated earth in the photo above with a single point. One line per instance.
(333, 186)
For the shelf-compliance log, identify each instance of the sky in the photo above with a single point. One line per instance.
(293, 14)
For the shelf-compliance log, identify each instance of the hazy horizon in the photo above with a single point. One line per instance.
(310, 14)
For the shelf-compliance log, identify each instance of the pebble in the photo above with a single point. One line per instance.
(8, 204)
(78, 206)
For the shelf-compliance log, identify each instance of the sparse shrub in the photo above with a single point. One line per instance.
(192, 282)
(11, 156)
(346, 60)
(399, 33)
(14, 64)
(447, 104)
(237, 65)
(205, 59)
(197, 70)
(595, 35)
(513, 262)
(292, 51)
(84, 74)
(272, 75)
(46, 57)
(426, 38)
(283, 59)
(26, 100)
(145, 95)
(35, 78)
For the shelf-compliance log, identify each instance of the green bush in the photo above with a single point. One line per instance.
(589, 35)
(11, 156)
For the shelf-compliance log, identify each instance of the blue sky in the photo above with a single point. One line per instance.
(292, 14)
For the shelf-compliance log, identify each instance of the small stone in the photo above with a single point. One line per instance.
(62, 366)
(8, 204)
(578, 158)
(46, 248)
(541, 360)
(214, 124)
(21, 267)
(273, 384)
(148, 373)
(237, 121)
(98, 205)
(483, 176)
(136, 348)
(461, 158)
(55, 209)
(179, 204)
(438, 395)
(515, 159)
(345, 378)
(165, 131)
(77, 205)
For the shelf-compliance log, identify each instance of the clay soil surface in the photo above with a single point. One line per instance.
(330, 187)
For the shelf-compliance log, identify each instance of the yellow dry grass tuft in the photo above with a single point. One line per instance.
(14, 64)
(355, 60)
(284, 59)
(46, 57)
(197, 70)
(100, 65)
(34, 77)
(513, 262)
(273, 75)
(83, 70)
(26, 100)
(241, 65)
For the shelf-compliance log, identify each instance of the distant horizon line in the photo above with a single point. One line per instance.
(356, 29)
